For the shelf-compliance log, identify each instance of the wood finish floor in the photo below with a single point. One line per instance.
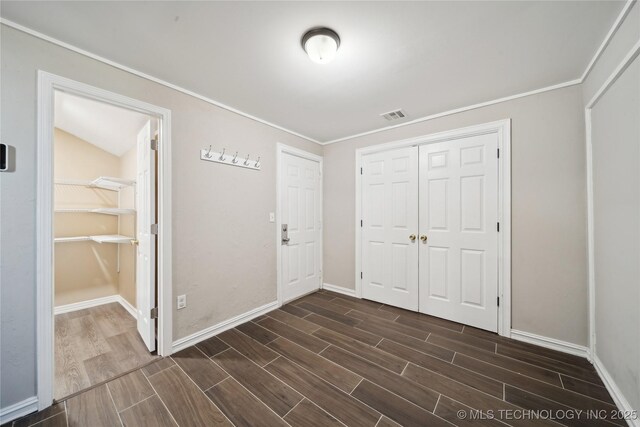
(331, 360)
(94, 345)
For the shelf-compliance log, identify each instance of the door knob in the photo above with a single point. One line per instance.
(134, 242)
(412, 237)
(423, 237)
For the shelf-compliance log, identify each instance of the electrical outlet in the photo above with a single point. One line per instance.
(272, 217)
(182, 301)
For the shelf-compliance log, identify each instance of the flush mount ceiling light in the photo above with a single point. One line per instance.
(321, 44)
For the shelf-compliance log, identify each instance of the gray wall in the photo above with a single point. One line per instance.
(616, 208)
(616, 203)
(549, 264)
(223, 244)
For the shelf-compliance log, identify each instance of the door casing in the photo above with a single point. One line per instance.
(503, 130)
(280, 150)
(47, 85)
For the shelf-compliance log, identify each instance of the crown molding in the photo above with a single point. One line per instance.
(616, 25)
(612, 31)
(146, 76)
(459, 110)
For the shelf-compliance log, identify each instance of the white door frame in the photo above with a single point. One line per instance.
(280, 150)
(503, 129)
(633, 53)
(47, 84)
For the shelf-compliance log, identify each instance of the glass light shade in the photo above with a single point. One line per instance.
(321, 48)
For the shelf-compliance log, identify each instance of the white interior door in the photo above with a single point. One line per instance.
(145, 216)
(301, 213)
(389, 227)
(459, 216)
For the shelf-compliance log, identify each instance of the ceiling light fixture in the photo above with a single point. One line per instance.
(321, 44)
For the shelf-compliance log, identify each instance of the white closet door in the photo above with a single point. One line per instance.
(145, 216)
(301, 212)
(459, 215)
(390, 218)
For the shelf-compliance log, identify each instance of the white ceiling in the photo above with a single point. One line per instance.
(424, 57)
(108, 127)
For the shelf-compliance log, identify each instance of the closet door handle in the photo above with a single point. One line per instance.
(423, 237)
(412, 237)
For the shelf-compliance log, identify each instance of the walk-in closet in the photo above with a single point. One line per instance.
(95, 242)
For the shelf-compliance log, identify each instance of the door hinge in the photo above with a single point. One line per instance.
(361, 223)
(498, 301)
(154, 313)
(498, 224)
(154, 229)
(498, 153)
(361, 275)
(360, 171)
(154, 144)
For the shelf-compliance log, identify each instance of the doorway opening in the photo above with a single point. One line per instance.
(104, 240)
(104, 198)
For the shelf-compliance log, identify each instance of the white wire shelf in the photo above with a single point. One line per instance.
(111, 238)
(110, 183)
(103, 238)
(106, 211)
(71, 239)
(103, 182)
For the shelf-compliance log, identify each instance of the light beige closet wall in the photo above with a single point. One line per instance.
(83, 270)
(87, 270)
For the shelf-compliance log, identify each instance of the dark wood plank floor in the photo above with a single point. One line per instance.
(94, 345)
(327, 359)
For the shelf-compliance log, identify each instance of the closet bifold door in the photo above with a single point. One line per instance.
(390, 227)
(458, 230)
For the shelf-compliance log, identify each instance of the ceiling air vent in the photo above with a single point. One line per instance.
(394, 115)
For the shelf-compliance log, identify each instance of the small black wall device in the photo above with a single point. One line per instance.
(7, 158)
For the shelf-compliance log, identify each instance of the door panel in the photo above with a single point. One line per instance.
(438, 273)
(390, 216)
(300, 207)
(145, 216)
(459, 215)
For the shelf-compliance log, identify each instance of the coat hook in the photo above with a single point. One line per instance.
(208, 155)
(258, 162)
(246, 161)
(235, 158)
(222, 155)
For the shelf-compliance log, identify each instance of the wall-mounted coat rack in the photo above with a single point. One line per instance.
(230, 159)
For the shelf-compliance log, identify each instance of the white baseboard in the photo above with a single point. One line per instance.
(85, 304)
(17, 410)
(552, 343)
(339, 289)
(621, 402)
(68, 308)
(211, 331)
(127, 306)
